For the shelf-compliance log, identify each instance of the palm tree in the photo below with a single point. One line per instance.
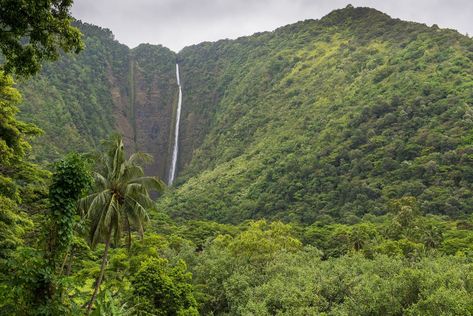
(120, 199)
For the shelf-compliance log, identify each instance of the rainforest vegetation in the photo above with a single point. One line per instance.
(326, 169)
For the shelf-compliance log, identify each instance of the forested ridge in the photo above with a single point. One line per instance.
(70, 98)
(325, 168)
(331, 117)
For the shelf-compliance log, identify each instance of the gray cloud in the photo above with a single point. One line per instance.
(178, 23)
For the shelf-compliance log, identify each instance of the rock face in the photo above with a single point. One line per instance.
(108, 88)
(153, 97)
(111, 88)
(144, 98)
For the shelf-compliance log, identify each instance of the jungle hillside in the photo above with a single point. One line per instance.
(323, 168)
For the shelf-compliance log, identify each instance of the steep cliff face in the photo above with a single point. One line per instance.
(153, 101)
(107, 88)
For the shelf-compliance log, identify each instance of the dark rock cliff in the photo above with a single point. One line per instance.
(152, 102)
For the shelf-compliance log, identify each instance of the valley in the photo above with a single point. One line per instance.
(323, 168)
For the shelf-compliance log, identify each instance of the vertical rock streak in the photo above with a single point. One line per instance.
(172, 171)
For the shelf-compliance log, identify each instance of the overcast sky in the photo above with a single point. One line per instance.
(178, 23)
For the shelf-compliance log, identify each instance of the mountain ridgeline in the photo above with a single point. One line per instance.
(322, 119)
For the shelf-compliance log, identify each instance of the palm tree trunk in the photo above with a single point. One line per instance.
(100, 278)
(63, 263)
(69, 264)
(128, 227)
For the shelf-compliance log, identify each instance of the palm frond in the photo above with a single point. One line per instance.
(138, 157)
(150, 183)
(100, 180)
(84, 203)
(132, 171)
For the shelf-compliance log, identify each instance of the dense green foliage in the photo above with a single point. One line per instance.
(32, 275)
(272, 268)
(162, 290)
(33, 31)
(265, 271)
(29, 33)
(354, 130)
(71, 99)
(22, 195)
(332, 117)
(70, 181)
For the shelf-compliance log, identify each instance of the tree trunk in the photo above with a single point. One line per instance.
(128, 227)
(99, 279)
(63, 263)
(69, 264)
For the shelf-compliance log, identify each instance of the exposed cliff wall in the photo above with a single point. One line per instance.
(155, 95)
(107, 88)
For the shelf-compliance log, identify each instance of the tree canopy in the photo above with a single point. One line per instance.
(33, 31)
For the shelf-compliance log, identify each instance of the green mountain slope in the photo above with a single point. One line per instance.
(335, 117)
(330, 117)
(71, 100)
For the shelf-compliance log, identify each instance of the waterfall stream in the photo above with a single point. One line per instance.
(172, 171)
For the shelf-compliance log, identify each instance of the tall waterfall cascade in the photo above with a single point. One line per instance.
(172, 171)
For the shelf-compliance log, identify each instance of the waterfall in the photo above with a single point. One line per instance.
(172, 171)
